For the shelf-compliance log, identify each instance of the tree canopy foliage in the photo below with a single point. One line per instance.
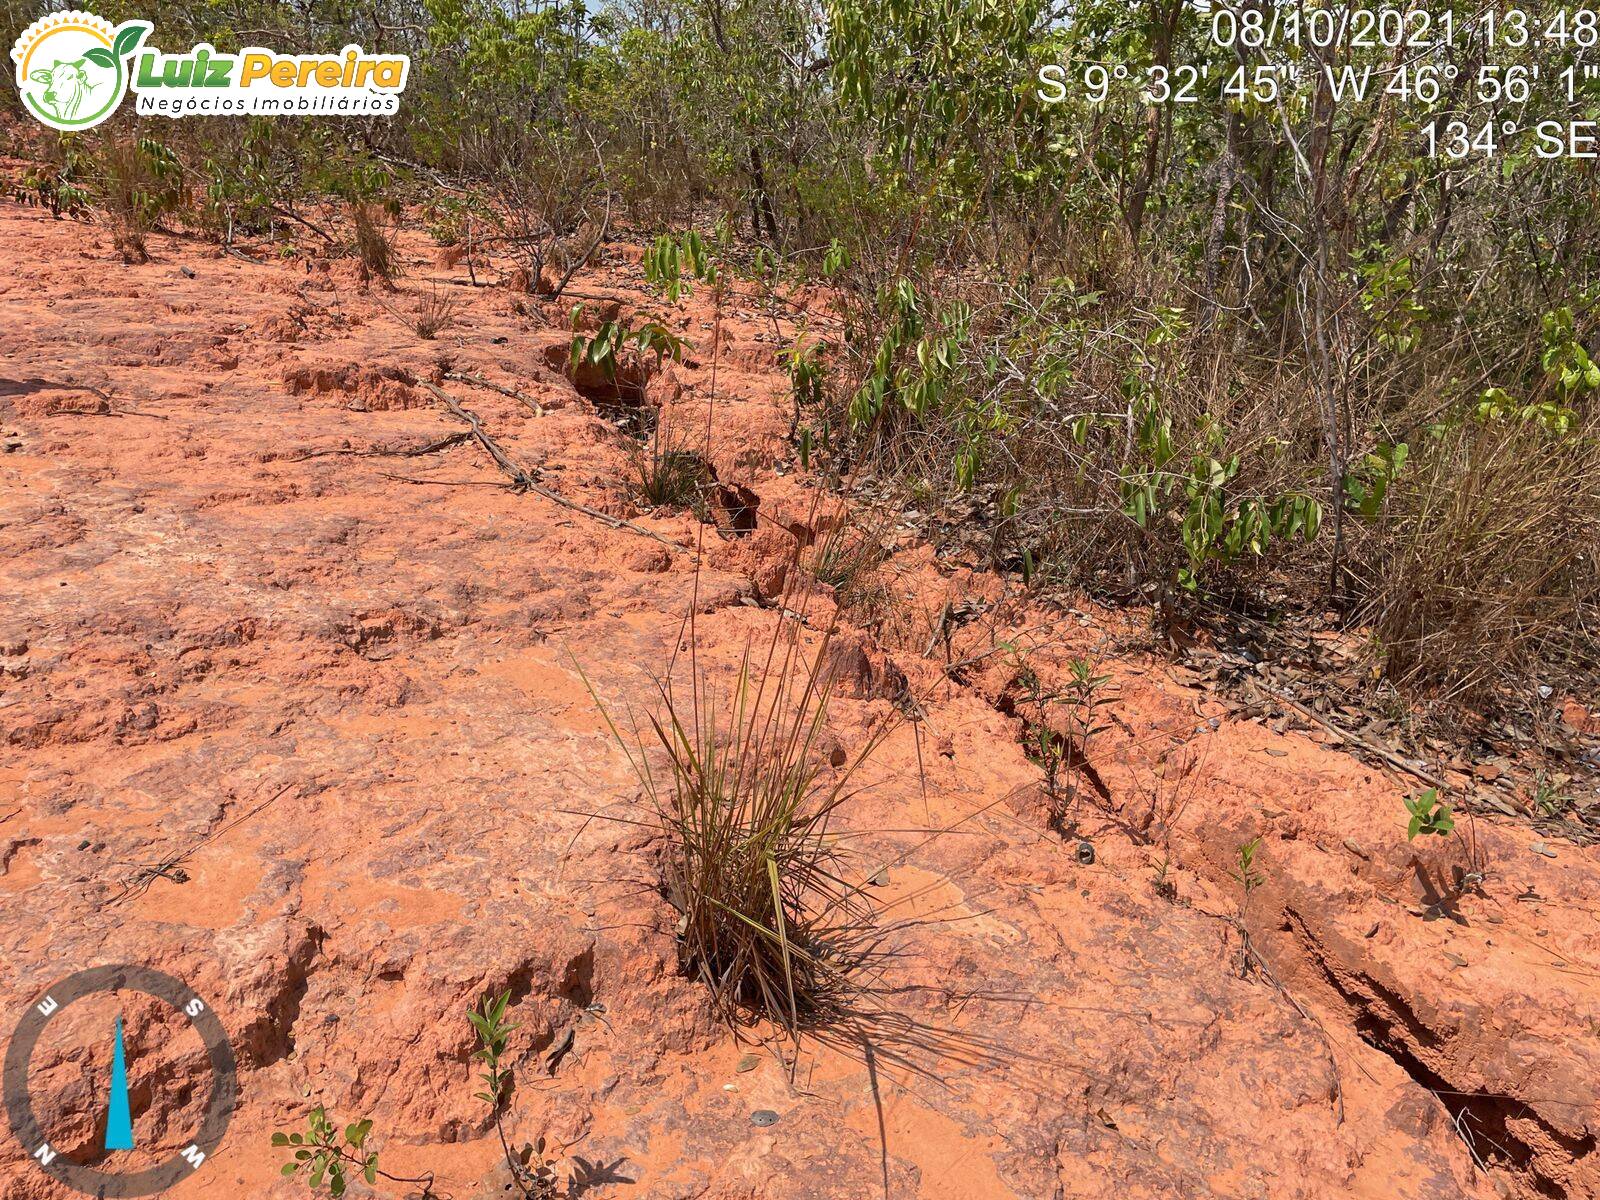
(1166, 336)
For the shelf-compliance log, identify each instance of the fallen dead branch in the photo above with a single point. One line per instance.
(440, 482)
(112, 409)
(172, 867)
(513, 472)
(433, 447)
(530, 404)
(1399, 762)
(523, 481)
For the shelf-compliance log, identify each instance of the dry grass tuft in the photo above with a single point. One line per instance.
(435, 313)
(745, 801)
(667, 475)
(374, 243)
(846, 555)
(1492, 569)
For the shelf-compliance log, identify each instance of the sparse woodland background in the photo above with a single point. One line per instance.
(1215, 357)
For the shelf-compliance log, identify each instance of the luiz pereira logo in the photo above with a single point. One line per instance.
(74, 68)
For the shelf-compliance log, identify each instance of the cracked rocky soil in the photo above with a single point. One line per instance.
(302, 724)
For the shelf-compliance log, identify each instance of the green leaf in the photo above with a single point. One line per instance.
(289, 1168)
(127, 41)
(100, 57)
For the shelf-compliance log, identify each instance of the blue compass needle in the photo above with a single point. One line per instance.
(119, 1121)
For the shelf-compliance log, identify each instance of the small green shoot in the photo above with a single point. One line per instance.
(533, 1173)
(493, 1030)
(1245, 874)
(1428, 815)
(327, 1159)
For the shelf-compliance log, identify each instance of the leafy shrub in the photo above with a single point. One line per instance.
(60, 184)
(606, 348)
(139, 181)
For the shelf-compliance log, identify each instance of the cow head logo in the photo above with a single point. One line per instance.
(73, 67)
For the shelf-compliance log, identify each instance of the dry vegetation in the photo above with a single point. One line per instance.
(746, 804)
(1165, 361)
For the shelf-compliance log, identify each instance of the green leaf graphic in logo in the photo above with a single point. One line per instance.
(128, 38)
(66, 95)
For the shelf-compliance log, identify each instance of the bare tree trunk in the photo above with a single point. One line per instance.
(1226, 170)
(1165, 23)
(761, 200)
(761, 211)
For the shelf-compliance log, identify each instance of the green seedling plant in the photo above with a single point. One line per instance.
(1428, 815)
(329, 1158)
(1249, 878)
(1085, 692)
(1367, 482)
(1549, 796)
(1047, 748)
(534, 1174)
(493, 1030)
(673, 265)
(806, 376)
(1163, 884)
(1389, 300)
(1082, 696)
(614, 338)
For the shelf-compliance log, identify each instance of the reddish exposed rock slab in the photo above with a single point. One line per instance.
(217, 594)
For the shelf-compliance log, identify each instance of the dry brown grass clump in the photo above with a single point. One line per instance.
(745, 802)
(846, 555)
(1491, 576)
(374, 243)
(436, 312)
